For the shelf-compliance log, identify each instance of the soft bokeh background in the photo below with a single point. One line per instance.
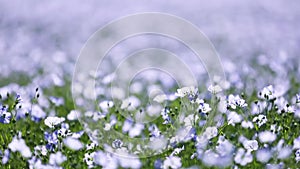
(47, 35)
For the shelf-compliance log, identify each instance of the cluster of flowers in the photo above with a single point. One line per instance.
(254, 133)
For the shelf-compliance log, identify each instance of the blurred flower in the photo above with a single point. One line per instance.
(263, 155)
(210, 132)
(214, 89)
(250, 145)
(35, 162)
(234, 118)
(247, 124)
(37, 113)
(160, 98)
(40, 150)
(57, 101)
(20, 146)
(131, 103)
(266, 137)
(73, 115)
(117, 143)
(136, 130)
(95, 115)
(296, 143)
(224, 147)
(105, 160)
(105, 105)
(191, 92)
(57, 158)
(73, 144)
(6, 156)
(242, 157)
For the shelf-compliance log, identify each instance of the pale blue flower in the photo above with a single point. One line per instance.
(73, 143)
(57, 158)
(18, 144)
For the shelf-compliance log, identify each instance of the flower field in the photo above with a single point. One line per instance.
(249, 119)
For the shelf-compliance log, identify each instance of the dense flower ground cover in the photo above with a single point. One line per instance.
(252, 121)
(262, 129)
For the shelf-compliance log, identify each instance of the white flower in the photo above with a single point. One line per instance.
(214, 89)
(266, 136)
(186, 91)
(236, 101)
(267, 93)
(20, 146)
(234, 118)
(250, 145)
(173, 162)
(53, 121)
(89, 159)
(57, 158)
(91, 146)
(203, 107)
(210, 132)
(242, 157)
(260, 120)
(73, 143)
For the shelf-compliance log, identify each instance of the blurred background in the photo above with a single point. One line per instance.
(46, 36)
